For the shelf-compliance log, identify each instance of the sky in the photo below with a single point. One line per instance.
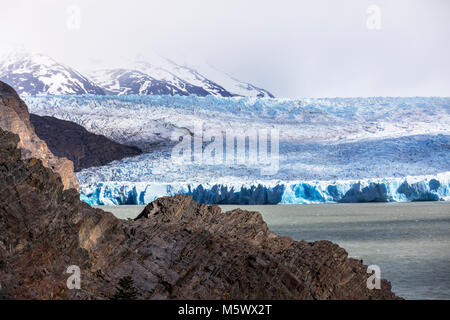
(293, 48)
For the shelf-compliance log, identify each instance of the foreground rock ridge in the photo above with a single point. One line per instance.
(72, 141)
(175, 249)
(14, 117)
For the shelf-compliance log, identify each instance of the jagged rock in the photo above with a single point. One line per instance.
(72, 141)
(175, 249)
(14, 117)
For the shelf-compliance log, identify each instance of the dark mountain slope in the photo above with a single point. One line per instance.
(72, 141)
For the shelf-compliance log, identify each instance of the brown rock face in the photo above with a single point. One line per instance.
(72, 141)
(175, 249)
(14, 117)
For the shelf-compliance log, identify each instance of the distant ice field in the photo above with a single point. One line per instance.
(330, 150)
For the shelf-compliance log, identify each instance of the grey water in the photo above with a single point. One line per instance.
(410, 242)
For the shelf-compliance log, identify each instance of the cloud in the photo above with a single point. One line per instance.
(292, 48)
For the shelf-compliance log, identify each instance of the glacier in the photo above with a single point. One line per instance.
(330, 150)
(418, 188)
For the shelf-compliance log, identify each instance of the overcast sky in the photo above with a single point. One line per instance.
(293, 48)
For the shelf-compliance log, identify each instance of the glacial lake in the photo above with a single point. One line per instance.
(410, 242)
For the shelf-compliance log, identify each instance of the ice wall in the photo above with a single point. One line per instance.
(421, 188)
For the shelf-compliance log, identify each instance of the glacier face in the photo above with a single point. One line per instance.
(418, 188)
(330, 150)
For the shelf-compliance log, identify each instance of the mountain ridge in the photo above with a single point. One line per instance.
(32, 74)
(38, 74)
(14, 117)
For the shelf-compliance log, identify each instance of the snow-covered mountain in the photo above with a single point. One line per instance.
(230, 83)
(126, 81)
(153, 74)
(151, 80)
(33, 73)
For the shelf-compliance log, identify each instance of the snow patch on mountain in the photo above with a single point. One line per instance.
(232, 84)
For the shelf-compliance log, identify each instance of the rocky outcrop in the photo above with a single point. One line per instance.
(245, 260)
(14, 117)
(72, 141)
(175, 249)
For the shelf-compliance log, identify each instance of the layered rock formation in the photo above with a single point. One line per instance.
(175, 249)
(14, 117)
(72, 141)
